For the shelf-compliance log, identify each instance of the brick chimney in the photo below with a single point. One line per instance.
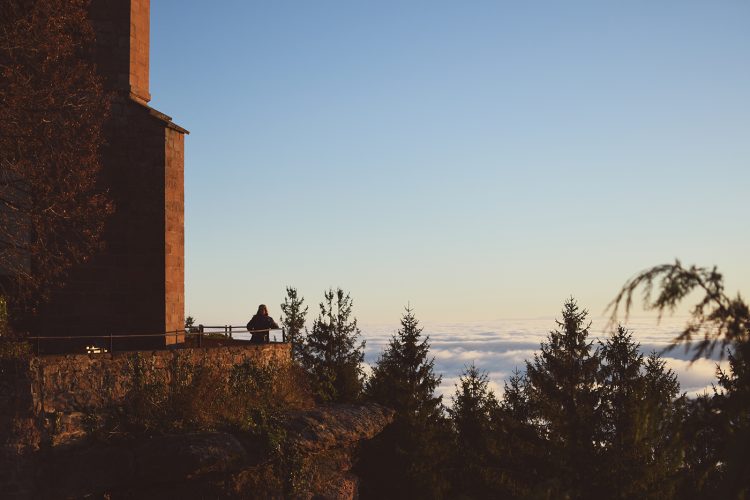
(122, 45)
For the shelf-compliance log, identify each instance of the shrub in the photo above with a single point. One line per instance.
(197, 396)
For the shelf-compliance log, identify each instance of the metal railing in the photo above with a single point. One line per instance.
(229, 330)
(198, 332)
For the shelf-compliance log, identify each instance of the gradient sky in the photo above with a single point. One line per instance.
(480, 160)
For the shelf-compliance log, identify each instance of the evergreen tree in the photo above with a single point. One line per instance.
(662, 430)
(564, 394)
(475, 473)
(330, 352)
(639, 408)
(717, 428)
(522, 460)
(406, 460)
(721, 320)
(293, 320)
(732, 403)
(623, 389)
(515, 401)
(701, 436)
(404, 378)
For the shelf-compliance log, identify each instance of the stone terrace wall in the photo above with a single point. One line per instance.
(44, 400)
(82, 382)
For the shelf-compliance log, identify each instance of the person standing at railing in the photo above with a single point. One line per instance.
(260, 325)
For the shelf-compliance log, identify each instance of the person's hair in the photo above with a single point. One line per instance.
(262, 310)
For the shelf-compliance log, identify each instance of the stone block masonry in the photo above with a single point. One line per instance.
(45, 401)
(136, 285)
(66, 384)
(140, 11)
(174, 233)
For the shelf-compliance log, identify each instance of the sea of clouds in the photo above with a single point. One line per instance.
(499, 347)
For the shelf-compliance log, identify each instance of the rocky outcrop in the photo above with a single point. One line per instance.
(318, 447)
(327, 427)
(327, 437)
(57, 439)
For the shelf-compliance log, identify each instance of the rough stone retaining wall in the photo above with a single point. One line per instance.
(82, 382)
(44, 399)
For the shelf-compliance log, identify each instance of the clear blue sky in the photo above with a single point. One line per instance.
(479, 159)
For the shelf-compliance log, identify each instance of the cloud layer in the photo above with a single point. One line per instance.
(501, 346)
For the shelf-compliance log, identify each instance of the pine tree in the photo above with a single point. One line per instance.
(473, 405)
(404, 378)
(330, 352)
(717, 428)
(703, 438)
(515, 401)
(522, 459)
(563, 390)
(639, 402)
(293, 320)
(719, 319)
(407, 459)
(623, 390)
(662, 429)
(475, 473)
(732, 403)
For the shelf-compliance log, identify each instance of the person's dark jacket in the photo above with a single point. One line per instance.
(260, 322)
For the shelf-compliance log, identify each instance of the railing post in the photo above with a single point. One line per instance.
(283, 335)
(111, 343)
(230, 331)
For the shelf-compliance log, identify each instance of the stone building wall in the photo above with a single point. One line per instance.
(174, 255)
(136, 285)
(140, 12)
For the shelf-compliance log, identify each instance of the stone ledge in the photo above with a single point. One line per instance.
(327, 427)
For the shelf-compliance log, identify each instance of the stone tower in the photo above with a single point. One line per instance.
(137, 285)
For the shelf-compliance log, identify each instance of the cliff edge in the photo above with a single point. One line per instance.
(229, 422)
